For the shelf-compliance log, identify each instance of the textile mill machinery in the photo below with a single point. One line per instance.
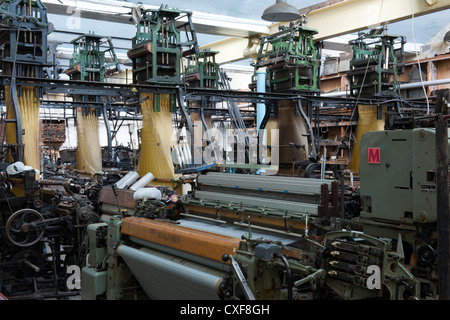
(237, 236)
(174, 226)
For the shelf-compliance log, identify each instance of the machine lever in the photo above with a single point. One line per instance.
(116, 194)
(247, 291)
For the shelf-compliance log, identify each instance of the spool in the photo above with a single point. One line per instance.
(15, 168)
(187, 152)
(141, 183)
(147, 193)
(176, 156)
(127, 180)
(181, 155)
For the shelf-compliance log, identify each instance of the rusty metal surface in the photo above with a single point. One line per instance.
(2, 129)
(125, 197)
(286, 224)
(329, 202)
(53, 131)
(292, 133)
(68, 155)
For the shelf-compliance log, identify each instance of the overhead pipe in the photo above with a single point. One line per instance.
(260, 107)
(402, 86)
(413, 85)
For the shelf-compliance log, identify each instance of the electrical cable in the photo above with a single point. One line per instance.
(288, 274)
(354, 111)
(418, 60)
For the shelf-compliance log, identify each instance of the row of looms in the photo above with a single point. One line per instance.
(217, 201)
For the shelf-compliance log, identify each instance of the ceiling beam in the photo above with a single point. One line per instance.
(229, 50)
(119, 12)
(344, 17)
(336, 17)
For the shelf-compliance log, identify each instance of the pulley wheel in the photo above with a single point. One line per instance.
(310, 170)
(21, 231)
(427, 255)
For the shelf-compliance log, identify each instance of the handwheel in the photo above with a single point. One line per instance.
(21, 230)
(310, 170)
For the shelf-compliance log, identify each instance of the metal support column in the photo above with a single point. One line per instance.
(442, 205)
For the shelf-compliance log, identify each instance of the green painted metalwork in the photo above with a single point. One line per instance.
(376, 63)
(398, 194)
(24, 37)
(94, 279)
(23, 40)
(291, 58)
(107, 276)
(157, 48)
(202, 71)
(347, 264)
(90, 61)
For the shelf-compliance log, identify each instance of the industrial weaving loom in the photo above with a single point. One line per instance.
(230, 194)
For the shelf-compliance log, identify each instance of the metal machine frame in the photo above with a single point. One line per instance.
(24, 54)
(325, 253)
(291, 57)
(376, 63)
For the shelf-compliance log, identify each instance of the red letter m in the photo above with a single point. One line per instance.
(374, 155)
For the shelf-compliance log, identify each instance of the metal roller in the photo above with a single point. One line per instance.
(272, 184)
(254, 202)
